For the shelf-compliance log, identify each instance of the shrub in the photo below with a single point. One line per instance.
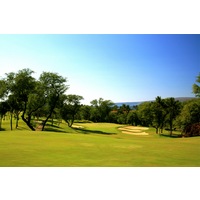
(192, 130)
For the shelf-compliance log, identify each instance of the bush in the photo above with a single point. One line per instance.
(192, 130)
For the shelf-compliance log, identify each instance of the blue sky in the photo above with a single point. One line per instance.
(121, 68)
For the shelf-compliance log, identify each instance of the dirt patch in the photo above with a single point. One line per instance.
(39, 128)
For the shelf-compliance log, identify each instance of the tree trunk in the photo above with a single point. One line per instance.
(17, 120)
(11, 121)
(27, 121)
(170, 127)
(70, 122)
(52, 121)
(156, 130)
(51, 111)
(1, 117)
(45, 121)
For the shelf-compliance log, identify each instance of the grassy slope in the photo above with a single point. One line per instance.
(96, 145)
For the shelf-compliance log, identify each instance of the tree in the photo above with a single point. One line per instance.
(14, 109)
(4, 107)
(124, 110)
(100, 109)
(196, 87)
(33, 95)
(190, 113)
(85, 112)
(20, 86)
(192, 130)
(53, 87)
(144, 113)
(159, 114)
(173, 109)
(70, 108)
(3, 88)
(133, 118)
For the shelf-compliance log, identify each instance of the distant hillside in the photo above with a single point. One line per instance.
(182, 99)
(131, 104)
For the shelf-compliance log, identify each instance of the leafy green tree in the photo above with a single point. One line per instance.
(124, 110)
(4, 108)
(85, 112)
(20, 86)
(173, 109)
(190, 113)
(100, 109)
(133, 118)
(14, 109)
(159, 113)
(70, 108)
(196, 87)
(32, 95)
(53, 86)
(144, 113)
(3, 88)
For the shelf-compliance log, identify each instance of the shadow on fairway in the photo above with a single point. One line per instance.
(55, 130)
(171, 136)
(79, 130)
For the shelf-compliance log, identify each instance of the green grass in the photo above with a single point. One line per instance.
(99, 144)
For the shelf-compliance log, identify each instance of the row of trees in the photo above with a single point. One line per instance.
(22, 95)
(162, 113)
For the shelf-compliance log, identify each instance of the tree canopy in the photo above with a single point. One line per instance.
(196, 87)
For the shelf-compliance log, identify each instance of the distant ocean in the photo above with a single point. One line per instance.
(131, 104)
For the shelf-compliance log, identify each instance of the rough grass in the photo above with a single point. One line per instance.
(95, 144)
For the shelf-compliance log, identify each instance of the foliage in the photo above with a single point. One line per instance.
(85, 111)
(159, 113)
(196, 87)
(100, 110)
(3, 88)
(53, 87)
(173, 109)
(71, 106)
(144, 113)
(190, 113)
(32, 97)
(4, 108)
(192, 130)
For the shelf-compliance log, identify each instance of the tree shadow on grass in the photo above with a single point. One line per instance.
(54, 130)
(84, 131)
(171, 136)
(54, 126)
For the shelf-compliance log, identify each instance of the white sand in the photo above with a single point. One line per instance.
(75, 126)
(134, 130)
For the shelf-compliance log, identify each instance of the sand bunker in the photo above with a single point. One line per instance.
(76, 126)
(134, 130)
